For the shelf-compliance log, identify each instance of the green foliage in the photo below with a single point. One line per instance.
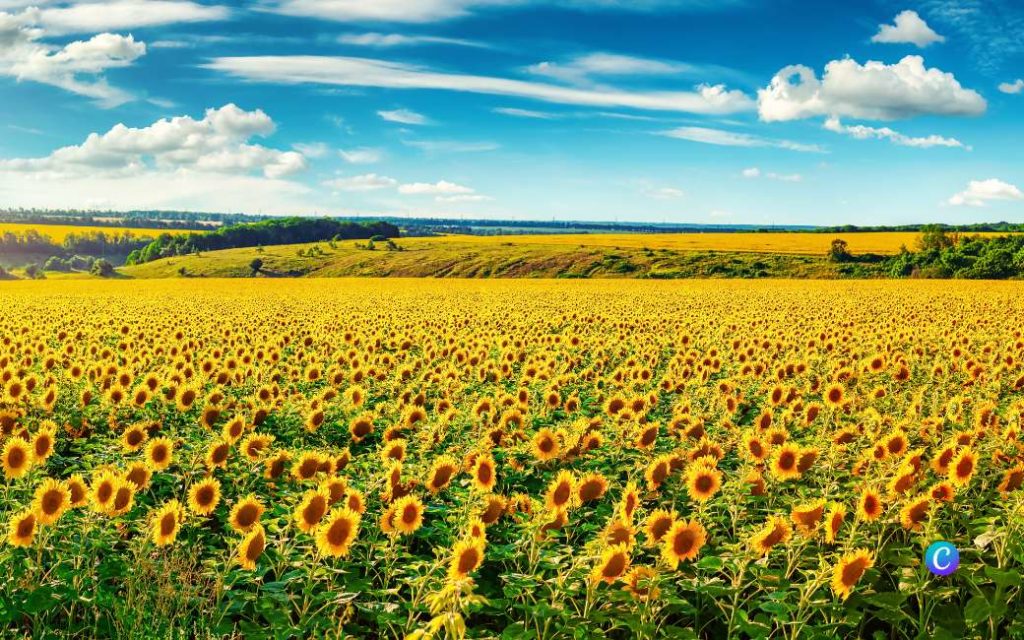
(267, 233)
(996, 258)
(102, 268)
(839, 251)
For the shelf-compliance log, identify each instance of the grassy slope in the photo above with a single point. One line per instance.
(471, 258)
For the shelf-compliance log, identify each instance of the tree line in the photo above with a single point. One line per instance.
(266, 233)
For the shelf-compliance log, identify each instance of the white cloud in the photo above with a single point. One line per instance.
(755, 172)
(441, 188)
(725, 138)
(403, 116)
(874, 91)
(421, 11)
(91, 17)
(388, 40)
(366, 72)
(1012, 87)
(312, 149)
(908, 28)
(980, 192)
(581, 69)
(77, 67)
(465, 197)
(361, 155)
(862, 132)
(664, 193)
(367, 182)
(218, 143)
(525, 113)
(450, 146)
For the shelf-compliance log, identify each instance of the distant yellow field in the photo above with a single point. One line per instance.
(57, 232)
(789, 243)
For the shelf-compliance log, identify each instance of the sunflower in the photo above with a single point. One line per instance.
(561, 492)
(591, 487)
(476, 529)
(962, 468)
(246, 513)
(467, 556)
(703, 482)
(441, 473)
(807, 516)
(134, 437)
(613, 564)
(683, 542)
(307, 465)
(658, 524)
(22, 528)
(311, 509)
(51, 499)
(657, 471)
(942, 492)
(833, 521)
(123, 499)
(617, 531)
(393, 450)
(1012, 480)
(408, 514)
(849, 570)
(104, 483)
(484, 474)
(251, 547)
(494, 508)
(629, 501)
(834, 395)
(545, 445)
(914, 513)
(139, 474)
(275, 466)
(16, 458)
(869, 505)
(775, 531)
(42, 442)
(79, 491)
(167, 522)
(754, 448)
(337, 531)
(785, 462)
(217, 454)
(204, 496)
(255, 445)
(641, 583)
(336, 488)
(159, 453)
(355, 501)
(360, 427)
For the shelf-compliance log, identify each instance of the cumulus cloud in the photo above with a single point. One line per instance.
(721, 137)
(361, 155)
(77, 67)
(403, 116)
(218, 143)
(980, 192)
(1014, 87)
(367, 72)
(862, 132)
(366, 182)
(91, 17)
(907, 28)
(874, 90)
(440, 188)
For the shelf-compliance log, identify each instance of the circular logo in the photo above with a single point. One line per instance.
(942, 558)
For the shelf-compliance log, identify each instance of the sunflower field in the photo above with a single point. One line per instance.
(510, 459)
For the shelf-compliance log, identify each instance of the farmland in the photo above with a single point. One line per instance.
(510, 458)
(58, 232)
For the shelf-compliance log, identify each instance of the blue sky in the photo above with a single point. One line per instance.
(696, 111)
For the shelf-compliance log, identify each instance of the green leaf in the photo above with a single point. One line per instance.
(1002, 577)
(976, 611)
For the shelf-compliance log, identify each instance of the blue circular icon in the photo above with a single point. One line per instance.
(942, 558)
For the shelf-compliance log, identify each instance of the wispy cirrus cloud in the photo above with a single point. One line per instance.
(724, 138)
(862, 132)
(395, 40)
(368, 72)
(94, 16)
